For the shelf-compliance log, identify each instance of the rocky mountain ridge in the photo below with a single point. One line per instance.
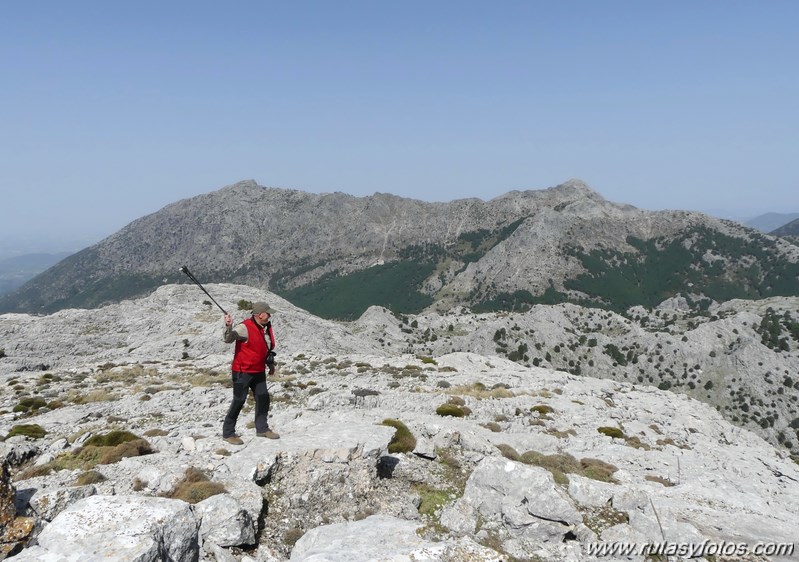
(542, 465)
(790, 229)
(562, 243)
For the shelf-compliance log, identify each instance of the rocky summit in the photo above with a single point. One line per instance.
(418, 437)
(335, 255)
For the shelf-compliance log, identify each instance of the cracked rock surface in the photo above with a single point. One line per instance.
(542, 463)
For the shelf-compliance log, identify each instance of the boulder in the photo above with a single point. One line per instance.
(119, 529)
(225, 522)
(49, 502)
(523, 500)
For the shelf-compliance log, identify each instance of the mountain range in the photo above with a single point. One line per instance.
(335, 254)
(769, 222)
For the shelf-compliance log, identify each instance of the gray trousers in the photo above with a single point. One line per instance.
(242, 383)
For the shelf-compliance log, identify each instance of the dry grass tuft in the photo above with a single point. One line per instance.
(195, 487)
(478, 390)
(660, 480)
(508, 452)
(90, 455)
(89, 477)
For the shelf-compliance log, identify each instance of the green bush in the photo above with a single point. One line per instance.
(32, 431)
(244, 304)
(559, 465)
(614, 432)
(452, 410)
(30, 404)
(598, 470)
(111, 439)
(542, 409)
(403, 440)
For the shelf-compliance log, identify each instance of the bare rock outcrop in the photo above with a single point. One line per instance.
(505, 459)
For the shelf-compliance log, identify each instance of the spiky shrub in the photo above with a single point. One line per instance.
(598, 470)
(542, 409)
(195, 487)
(30, 404)
(508, 452)
(100, 449)
(403, 440)
(110, 439)
(559, 464)
(613, 432)
(452, 410)
(31, 431)
(89, 477)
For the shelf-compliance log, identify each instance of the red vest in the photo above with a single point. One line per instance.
(250, 356)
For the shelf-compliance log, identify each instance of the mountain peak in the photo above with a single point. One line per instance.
(576, 186)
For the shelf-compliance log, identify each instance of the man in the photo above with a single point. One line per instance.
(255, 344)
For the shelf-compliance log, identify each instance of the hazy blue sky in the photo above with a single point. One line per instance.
(111, 110)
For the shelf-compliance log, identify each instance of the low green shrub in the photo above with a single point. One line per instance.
(559, 464)
(614, 432)
(598, 470)
(542, 409)
(30, 404)
(452, 410)
(403, 440)
(110, 439)
(31, 431)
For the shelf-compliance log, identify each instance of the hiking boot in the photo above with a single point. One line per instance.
(234, 440)
(269, 434)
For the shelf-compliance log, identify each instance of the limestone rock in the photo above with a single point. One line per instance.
(119, 528)
(380, 537)
(49, 502)
(524, 499)
(225, 522)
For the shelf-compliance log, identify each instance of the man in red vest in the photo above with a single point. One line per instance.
(255, 344)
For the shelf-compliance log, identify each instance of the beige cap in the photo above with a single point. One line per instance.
(260, 307)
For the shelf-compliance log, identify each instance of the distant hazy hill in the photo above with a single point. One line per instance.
(790, 229)
(17, 270)
(335, 254)
(771, 221)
